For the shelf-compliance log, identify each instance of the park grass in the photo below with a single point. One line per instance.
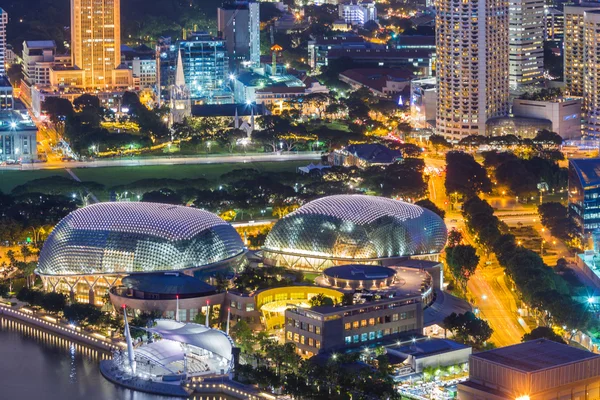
(114, 176)
(9, 179)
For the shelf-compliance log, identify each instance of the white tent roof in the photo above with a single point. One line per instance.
(162, 352)
(213, 340)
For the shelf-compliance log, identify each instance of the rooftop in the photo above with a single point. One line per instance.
(374, 153)
(535, 355)
(587, 169)
(359, 272)
(167, 283)
(429, 347)
(40, 44)
(379, 53)
(227, 110)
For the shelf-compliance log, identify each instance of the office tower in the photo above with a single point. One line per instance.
(472, 67)
(238, 22)
(205, 68)
(38, 59)
(3, 23)
(526, 42)
(573, 48)
(555, 24)
(591, 71)
(96, 40)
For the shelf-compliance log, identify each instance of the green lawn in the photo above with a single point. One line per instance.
(9, 179)
(112, 176)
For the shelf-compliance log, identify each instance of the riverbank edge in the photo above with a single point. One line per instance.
(140, 385)
(57, 329)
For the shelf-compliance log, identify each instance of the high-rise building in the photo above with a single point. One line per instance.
(472, 65)
(205, 68)
(238, 22)
(591, 71)
(574, 48)
(96, 43)
(526, 42)
(38, 59)
(3, 23)
(555, 24)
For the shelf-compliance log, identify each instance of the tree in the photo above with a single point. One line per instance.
(463, 261)
(83, 313)
(243, 336)
(465, 176)
(439, 142)
(430, 205)
(58, 109)
(54, 302)
(25, 252)
(467, 328)
(320, 300)
(543, 332)
(455, 237)
(165, 196)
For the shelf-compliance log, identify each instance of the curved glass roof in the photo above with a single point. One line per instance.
(122, 238)
(357, 227)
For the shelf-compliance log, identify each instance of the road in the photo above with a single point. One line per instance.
(487, 290)
(138, 161)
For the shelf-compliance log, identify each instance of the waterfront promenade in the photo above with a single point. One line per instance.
(46, 323)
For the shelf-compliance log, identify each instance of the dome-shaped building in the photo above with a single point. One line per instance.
(345, 229)
(110, 240)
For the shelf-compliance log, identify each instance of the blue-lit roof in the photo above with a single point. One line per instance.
(588, 170)
(374, 153)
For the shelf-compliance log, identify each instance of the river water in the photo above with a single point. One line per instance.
(36, 365)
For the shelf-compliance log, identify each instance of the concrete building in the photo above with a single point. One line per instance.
(564, 114)
(357, 12)
(422, 61)
(18, 141)
(3, 23)
(554, 22)
(574, 48)
(364, 155)
(328, 328)
(526, 42)
(421, 42)
(584, 193)
(535, 370)
(431, 352)
(319, 48)
(238, 23)
(591, 72)
(472, 64)
(95, 46)
(7, 101)
(383, 82)
(142, 62)
(205, 65)
(423, 102)
(38, 60)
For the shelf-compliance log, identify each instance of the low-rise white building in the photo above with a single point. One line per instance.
(565, 114)
(38, 59)
(358, 12)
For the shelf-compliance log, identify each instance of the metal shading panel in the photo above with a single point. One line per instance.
(357, 227)
(121, 238)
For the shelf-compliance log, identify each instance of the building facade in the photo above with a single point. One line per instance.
(526, 42)
(238, 23)
(96, 44)
(358, 12)
(564, 114)
(38, 60)
(3, 23)
(535, 370)
(584, 193)
(574, 48)
(554, 21)
(591, 72)
(206, 68)
(472, 65)
(18, 141)
(322, 329)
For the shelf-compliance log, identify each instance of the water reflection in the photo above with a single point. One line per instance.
(35, 364)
